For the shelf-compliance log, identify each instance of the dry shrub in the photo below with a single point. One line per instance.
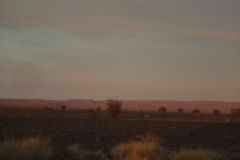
(197, 154)
(146, 149)
(196, 111)
(91, 113)
(162, 110)
(216, 112)
(180, 110)
(79, 153)
(114, 108)
(34, 148)
(235, 114)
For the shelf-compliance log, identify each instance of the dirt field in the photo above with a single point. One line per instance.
(175, 130)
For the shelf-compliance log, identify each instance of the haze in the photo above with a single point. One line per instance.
(127, 49)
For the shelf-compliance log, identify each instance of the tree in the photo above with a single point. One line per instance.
(114, 108)
(180, 110)
(162, 110)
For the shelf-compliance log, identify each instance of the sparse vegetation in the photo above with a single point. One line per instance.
(114, 108)
(145, 149)
(34, 148)
(197, 154)
(103, 134)
(78, 153)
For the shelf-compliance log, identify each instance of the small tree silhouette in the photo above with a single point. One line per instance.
(162, 110)
(180, 110)
(114, 108)
(196, 111)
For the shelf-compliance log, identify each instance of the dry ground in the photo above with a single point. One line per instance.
(71, 127)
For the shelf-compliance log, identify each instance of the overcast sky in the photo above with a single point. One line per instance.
(120, 49)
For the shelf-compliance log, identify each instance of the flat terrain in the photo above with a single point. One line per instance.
(102, 133)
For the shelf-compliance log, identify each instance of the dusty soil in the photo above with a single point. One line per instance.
(103, 133)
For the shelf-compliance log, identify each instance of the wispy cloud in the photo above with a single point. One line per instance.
(219, 21)
(135, 49)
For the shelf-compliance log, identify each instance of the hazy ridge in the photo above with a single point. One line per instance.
(148, 105)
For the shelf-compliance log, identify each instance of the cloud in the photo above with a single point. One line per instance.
(133, 17)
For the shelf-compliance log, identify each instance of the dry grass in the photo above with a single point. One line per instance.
(146, 149)
(34, 148)
(197, 154)
(79, 153)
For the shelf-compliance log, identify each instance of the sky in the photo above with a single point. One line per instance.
(120, 49)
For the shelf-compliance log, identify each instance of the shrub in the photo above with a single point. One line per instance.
(47, 108)
(162, 110)
(34, 148)
(235, 114)
(196, 111)
(79, 153)
(91, 113)
(197, 154)
(180, 110)
(216, 112)
(114, 108)
(145, 149)
(99, 112)
(63, 107)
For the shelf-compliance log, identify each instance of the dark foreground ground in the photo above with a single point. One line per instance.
(102, 133)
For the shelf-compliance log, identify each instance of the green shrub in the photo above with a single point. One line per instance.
(34, 148)
(197, 154)
(79, 153)
(146, 149)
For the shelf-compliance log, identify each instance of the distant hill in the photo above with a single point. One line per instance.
(204, 106)
(40, 103)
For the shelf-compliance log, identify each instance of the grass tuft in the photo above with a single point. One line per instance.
(196, 154)
(79, 153)
(34, 148)
(146, 149)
